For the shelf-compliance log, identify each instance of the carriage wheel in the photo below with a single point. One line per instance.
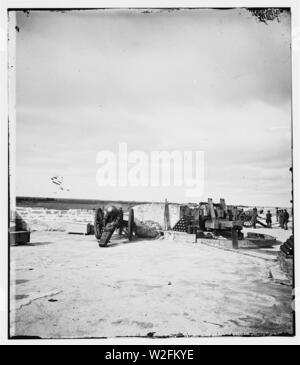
(130, 224)
(247, 220)
(98, 223)
(248, 224)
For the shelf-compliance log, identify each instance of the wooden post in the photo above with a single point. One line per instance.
(234, 235)
(234, 213)
(211, 209)
(224, 207)
(223, 204)
(167, 216)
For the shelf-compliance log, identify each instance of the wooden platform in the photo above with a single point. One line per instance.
(243, 248)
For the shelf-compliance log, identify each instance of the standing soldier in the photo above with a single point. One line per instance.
(277, 214)
(269, 219)
(281, 218)
(286, 217)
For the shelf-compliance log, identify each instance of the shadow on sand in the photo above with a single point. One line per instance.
(36, 244)
(124, 241)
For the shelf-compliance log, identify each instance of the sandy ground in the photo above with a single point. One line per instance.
(65, 286)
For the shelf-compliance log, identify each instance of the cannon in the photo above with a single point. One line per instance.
(104, 231)
(221, 219)
(217, 218)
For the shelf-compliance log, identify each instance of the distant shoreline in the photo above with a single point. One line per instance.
(69, 203)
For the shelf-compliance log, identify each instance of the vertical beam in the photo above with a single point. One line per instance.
(167, 216)
(11, 116)
(234, 235)
(211, 208)
(234, 213)
(223, 205)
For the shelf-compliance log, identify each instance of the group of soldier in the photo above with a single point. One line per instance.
(282, 217)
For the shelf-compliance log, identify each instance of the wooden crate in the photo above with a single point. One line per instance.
(78, 228)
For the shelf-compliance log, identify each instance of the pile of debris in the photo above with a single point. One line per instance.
(147, 229)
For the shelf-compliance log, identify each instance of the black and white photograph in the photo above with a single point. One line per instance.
(150, 173)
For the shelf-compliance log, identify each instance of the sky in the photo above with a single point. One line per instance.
(216, 81)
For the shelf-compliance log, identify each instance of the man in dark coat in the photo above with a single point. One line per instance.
(281, 218)
(277, 214)
(269, 219)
